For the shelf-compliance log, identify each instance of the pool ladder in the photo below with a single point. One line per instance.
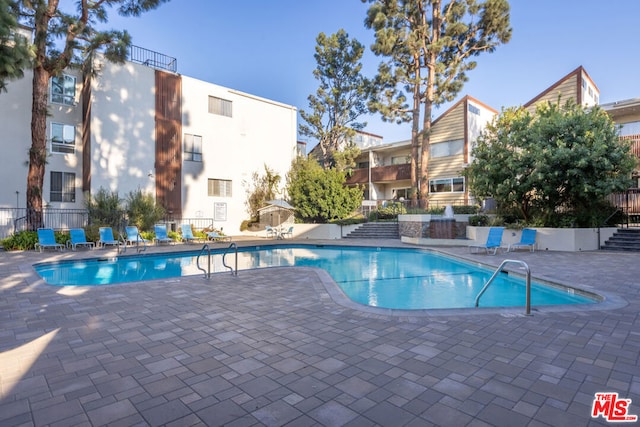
(206, 249)
(527, 281)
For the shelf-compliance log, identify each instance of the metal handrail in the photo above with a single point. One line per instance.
(207, 273)
(233, 272)
(122, 243)
(144, 244)
(527, 281)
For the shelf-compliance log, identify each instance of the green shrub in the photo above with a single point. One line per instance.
(479, 220)
(142, 210)
(466, 209)
(21, 241)
(105, 208)
(349, 221)
(390, 211)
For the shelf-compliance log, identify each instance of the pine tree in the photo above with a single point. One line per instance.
(429, 46)
(339, 101)
(63, 39)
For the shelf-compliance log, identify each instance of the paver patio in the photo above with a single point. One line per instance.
(280, 346)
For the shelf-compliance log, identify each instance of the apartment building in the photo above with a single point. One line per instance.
(141, 125)
(384, 169)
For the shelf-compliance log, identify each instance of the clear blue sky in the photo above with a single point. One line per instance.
(266, 48)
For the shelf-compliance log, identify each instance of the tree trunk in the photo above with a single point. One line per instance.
(38, 150)
(416, 137)
(431, 60)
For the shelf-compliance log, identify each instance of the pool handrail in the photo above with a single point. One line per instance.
(527, 281)
(207, 273)
(233, 272)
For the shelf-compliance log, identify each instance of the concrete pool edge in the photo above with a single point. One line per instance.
(609, 301)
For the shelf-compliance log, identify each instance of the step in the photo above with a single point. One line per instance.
(623, 240)
(375, 230)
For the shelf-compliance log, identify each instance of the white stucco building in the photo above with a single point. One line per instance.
(191, 143)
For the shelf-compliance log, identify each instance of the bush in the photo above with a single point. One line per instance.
(21, 241)
(104, 208)
(479, 220)
(142, 210)
(390, 211)
(466, 209)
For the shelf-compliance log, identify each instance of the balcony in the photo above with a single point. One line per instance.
(152, 59)
(381, 174)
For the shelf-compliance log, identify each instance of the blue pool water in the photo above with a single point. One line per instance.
(379, 277)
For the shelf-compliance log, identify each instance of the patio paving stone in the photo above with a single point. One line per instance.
(280, 346)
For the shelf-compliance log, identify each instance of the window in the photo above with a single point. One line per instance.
(63, 138)
(449, 148)
(219, 188)
(63, 90)
(63, 187)
(402, 193)
(446, 185)
(400, 160)
(363, 165)
(192, 147)
(220, 106)
(474, 110)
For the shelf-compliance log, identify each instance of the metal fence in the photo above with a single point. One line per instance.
(13, 220)
(629, 203)
(152, 59)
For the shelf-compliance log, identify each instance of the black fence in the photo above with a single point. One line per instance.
(152, 59)
(629, 203)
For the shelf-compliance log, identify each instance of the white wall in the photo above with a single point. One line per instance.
(476, 124)
(123, 129)
(15, 118)
(260, 132)
(15, 113)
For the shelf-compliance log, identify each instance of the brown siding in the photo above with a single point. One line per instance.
(168, 162)
(449, 126)
(568, 89)
(86, 133)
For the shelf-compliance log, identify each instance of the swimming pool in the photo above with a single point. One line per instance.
(379, 277)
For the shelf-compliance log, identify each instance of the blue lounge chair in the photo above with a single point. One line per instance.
(161, 235)
(527, 240)
(494, 241)
(106, 237)
(47, 239)
(78, 238)
(133, 236)
(187, 233)
(217, 237)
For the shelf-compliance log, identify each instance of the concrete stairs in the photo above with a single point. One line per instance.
(625, 239)
(375, 230)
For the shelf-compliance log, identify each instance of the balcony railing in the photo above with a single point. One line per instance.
(152, 59)
(381, 174)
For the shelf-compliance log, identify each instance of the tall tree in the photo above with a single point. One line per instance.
(62, 39)
(340, 99)
(429, 46)
(14, 48)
